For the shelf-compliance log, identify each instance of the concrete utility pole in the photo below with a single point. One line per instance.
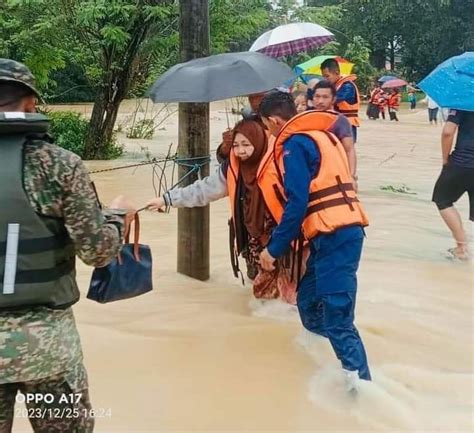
(193, 224)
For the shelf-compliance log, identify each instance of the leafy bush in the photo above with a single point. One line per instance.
(142, 129)
(358, 53)
(69, 130)
(112, 150)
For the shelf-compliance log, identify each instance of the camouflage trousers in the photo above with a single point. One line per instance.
(56, 404)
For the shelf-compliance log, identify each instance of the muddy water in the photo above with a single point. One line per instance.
(206, 357)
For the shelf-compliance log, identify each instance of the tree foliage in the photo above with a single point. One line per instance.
(414, 35)
(359, 53)
(107, 50)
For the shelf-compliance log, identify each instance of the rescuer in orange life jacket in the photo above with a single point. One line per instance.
(347, 96)
(308, 190)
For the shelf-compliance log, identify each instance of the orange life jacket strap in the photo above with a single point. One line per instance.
(279, 194)
(332, 203)
(351, 115)
(331, 137)
(340, 187)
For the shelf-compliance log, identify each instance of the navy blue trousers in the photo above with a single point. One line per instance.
(327, 295)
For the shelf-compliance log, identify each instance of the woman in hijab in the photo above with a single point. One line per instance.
(251, 224)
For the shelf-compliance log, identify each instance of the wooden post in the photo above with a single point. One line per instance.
(193, 224)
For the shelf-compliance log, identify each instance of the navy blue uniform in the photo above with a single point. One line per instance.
(327, 292)
(347, 92)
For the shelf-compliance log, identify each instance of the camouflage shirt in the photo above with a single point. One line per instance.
(40, 342)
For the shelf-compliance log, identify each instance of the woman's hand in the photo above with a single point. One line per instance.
(156, 204)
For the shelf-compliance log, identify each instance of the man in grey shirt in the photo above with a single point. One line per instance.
(324, 98)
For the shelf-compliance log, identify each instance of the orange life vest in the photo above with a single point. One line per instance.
(232, 175)
(394, 100)
(332, 201)
(382, 100)
(374, 96)
(351, 111)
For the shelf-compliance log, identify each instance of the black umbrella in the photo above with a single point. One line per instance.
(220, 77)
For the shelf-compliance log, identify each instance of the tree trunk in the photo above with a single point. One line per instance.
(101, 125)
(113, 90)
(193, 224)
(378, 59)
(392, 55)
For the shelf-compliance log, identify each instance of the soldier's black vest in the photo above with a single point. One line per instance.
(37, 265)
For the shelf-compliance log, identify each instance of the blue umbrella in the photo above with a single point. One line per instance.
(386, 78)
(451, 84)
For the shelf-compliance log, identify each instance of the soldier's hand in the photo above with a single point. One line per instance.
(122, 202)
(156, 204)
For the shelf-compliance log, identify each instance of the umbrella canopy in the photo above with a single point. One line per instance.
(385, 78)
(292, 39)
(220, 77)
(397, 82)
(304, 78)
(451, 84)
(313, 66)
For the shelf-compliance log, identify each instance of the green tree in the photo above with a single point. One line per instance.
(377, 22)
(25, 36)
(359, 53)
(114, 35)
(106, 38)
(433, 31)
(235, 24)
(418, 33)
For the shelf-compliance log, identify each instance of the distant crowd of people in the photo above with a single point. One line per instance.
(379, 100)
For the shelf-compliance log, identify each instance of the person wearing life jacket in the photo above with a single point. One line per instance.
(250, 223)
(308, 190)
(50, 214)
(249, 112)
(373, 111)
(324, 98)
(394, 104)
(347, 98)
(382, 103)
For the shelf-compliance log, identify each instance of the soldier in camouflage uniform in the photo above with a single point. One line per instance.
(40, 350)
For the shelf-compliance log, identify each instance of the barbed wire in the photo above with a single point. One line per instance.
(159, 176)
(152, 161)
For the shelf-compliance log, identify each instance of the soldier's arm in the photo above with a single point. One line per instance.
(97, 235)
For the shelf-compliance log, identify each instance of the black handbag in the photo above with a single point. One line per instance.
(128, 275)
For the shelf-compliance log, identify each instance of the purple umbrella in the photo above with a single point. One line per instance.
(292, 39)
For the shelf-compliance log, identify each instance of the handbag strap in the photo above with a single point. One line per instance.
(129, 219)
